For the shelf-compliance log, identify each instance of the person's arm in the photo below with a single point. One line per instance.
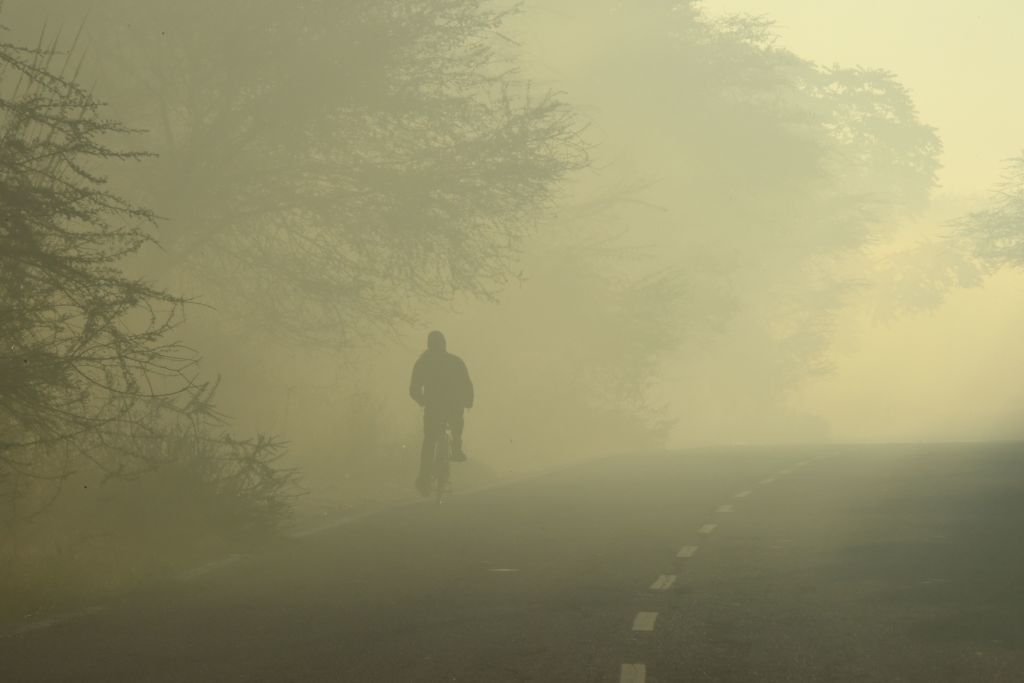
(416, 383)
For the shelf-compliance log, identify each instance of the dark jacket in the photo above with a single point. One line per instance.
(440, 379)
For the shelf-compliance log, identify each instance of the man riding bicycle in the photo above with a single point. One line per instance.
(441, 385)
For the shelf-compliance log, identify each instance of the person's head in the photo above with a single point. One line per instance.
(436, 342)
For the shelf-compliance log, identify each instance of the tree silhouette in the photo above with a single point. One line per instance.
(757, 179)
(996, 232)
(81, 344)
(325, 167)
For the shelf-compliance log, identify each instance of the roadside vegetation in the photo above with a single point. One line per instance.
(112, 457)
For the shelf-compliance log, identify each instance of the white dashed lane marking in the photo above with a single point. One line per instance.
(663, 582)
(52, 621)
(644, 621)
(633, 673)
(209, 567)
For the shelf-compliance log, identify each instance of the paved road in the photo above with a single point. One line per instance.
(810, 564)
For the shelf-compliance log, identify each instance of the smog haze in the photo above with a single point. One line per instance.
(404, 324)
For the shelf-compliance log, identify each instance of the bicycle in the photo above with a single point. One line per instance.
(441, 466)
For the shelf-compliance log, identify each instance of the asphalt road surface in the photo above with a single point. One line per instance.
(798, 564)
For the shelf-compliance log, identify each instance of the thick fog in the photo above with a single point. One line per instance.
(642, 225)
(946, 373)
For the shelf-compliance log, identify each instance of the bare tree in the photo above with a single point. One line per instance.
(996, 232)
(326, 167)
(81, 344)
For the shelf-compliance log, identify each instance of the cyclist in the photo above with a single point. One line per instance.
(441, 385)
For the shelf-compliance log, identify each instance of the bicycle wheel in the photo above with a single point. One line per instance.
(442, 454)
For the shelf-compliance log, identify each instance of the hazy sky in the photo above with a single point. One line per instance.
(962, 61)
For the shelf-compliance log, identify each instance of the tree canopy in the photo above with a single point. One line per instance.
(753, 178)
(324, 167)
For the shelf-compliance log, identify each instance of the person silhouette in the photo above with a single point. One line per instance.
(441, 386)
